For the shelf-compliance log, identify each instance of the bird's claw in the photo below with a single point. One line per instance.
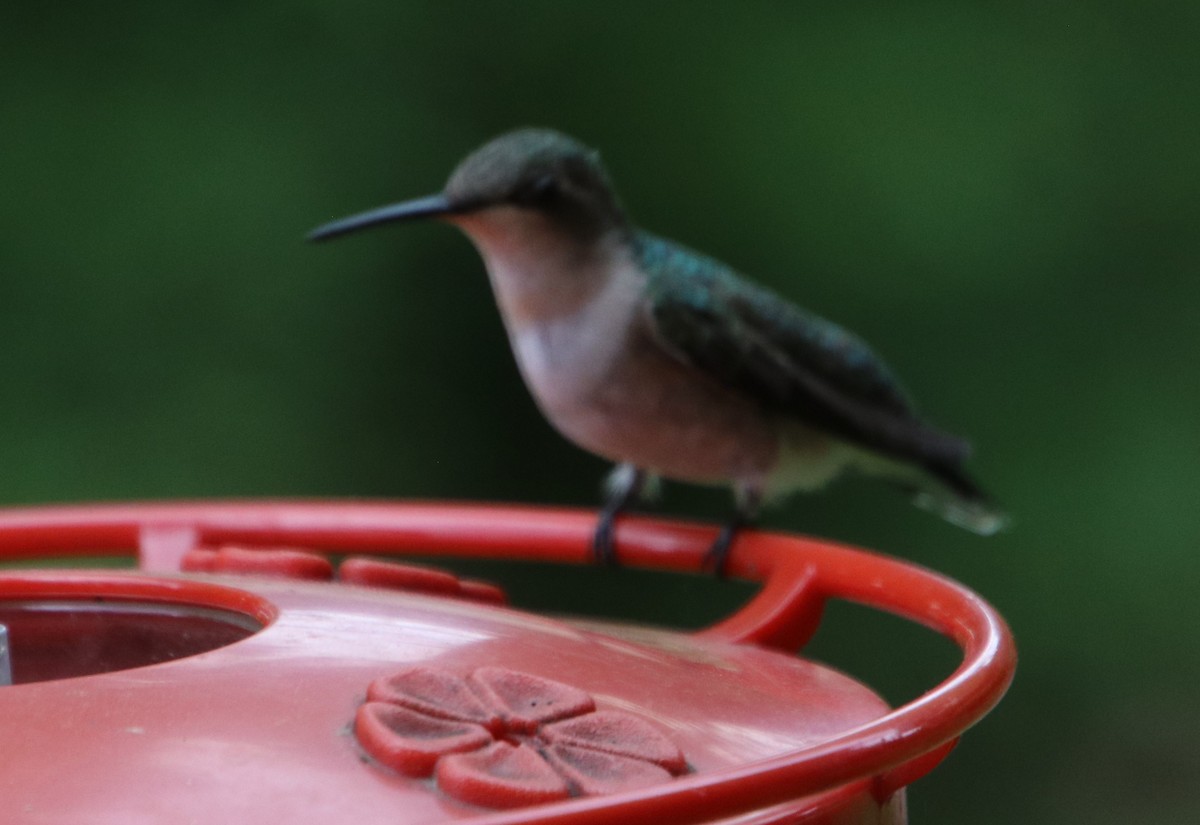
(625, 485)
(604, 549)
(718, 552)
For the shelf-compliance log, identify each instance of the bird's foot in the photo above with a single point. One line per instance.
(604, 549)
(718, 552)
(746, 501)
(625, 485)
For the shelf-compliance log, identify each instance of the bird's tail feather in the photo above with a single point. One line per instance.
(947, 491)
(941, 486)
(978, 516)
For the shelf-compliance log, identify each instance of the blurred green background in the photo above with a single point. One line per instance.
(1002, 198)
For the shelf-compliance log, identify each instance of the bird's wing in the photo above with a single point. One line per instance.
(792, 361)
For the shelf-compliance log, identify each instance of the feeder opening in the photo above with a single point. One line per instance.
(64, 638)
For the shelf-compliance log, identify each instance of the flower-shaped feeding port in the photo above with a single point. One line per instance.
(500, 738)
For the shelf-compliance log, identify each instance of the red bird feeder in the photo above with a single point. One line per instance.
(243, 677)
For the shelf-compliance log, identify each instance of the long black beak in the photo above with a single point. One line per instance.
(430, 207)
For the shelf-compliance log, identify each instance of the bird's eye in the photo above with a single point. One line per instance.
(539, 191)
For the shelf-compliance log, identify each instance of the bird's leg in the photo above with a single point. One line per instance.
(746, 501)
(624, 485)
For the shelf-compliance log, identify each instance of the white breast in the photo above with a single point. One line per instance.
(564, 359)
(566, 304)
(576, 322)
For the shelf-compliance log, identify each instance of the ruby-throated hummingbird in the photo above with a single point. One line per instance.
(669, 363)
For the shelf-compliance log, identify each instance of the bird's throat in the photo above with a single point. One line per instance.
(538, 273)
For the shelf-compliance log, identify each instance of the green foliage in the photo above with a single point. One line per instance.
(1000, 198)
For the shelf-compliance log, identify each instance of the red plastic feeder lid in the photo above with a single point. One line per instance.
(407, 696)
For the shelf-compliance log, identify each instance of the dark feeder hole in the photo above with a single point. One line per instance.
(63, 638)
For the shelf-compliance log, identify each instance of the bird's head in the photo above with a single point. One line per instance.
(534, 180)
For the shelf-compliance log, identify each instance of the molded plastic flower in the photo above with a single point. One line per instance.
(503, 739)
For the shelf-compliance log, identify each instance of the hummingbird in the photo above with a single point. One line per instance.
(669, 363)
